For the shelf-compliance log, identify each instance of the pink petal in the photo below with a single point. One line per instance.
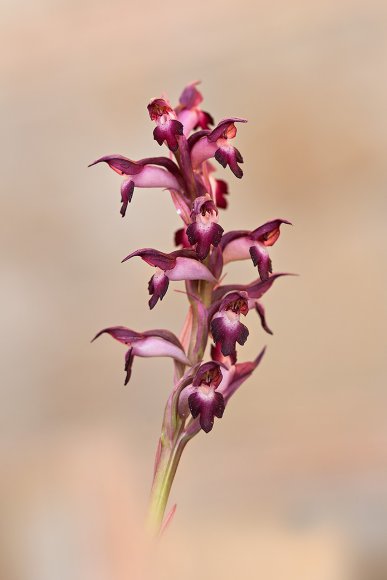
(155, 346)
(189, 269)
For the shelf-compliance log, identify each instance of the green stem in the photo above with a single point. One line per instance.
(162, 484)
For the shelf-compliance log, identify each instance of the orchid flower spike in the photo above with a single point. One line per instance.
(146, 344)
(200, 388)
(242, 244)
(178, 265)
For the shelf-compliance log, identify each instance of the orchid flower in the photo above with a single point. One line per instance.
(204, 230)
(188, 111)
(204, 378)
(146, 344)
(144, 173)
(178, 265)
(242, 244)
(168, 127)
(215, 143)
(226, 327)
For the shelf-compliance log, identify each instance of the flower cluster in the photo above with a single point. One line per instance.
(203, 384)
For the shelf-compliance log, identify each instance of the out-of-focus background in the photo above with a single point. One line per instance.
(292, 482)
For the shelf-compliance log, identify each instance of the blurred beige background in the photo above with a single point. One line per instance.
(292, 483)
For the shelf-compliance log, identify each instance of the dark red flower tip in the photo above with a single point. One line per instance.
(154, 258)
(120, 164)
(269, 233)
(206, 403)
(157, 288)
(260, 310)
(220, 190)
(225, 129)
(208, 374)
(157, 108)
(168, 132)
(228, 155)
(205, 120)
(127, 189)
(261, 258)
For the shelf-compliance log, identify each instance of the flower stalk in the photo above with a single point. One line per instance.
(202, 383)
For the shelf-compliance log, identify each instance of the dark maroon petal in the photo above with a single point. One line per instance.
(154, 258)
(157, 288)
(121, 165)
(221, 189)
(204, 120)
(191, 97)
(181, 238)
(127, 189)
(255, 289)
(203, 236)
(269, 233)
(208, 374)
(120, 333)
(215, 264)
(168, 132)
(228, 333)
(216, 355)
(128, 365)
(261, 259)
(222, 127)
(230, 156)
(261, 313)
(207, 407)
